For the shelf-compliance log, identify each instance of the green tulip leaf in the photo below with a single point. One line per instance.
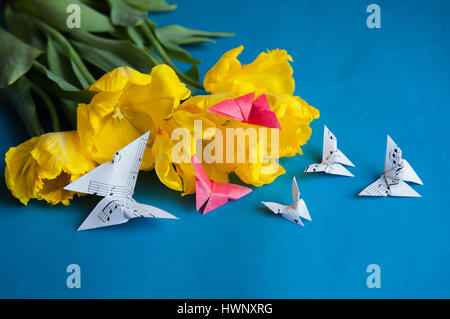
(59, 64)
(136, 37)
(178, 53)
(58, 86)
(70, 111)
(16, 58)
(20, 24)
(181, 35)
(123, 49)
(81, 71)
(193, 72)
(152, 5)
(19, 96)
(123, 14)
(59, 14)
(103, 59)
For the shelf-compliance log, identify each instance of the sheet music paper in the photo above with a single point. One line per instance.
(117, 178)
(116, 181)
(295, 212)
(333, 160)
(396, 172)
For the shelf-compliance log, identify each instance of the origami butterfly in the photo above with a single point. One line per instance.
(293, 213)
(244, 109)
(396, 172)
(115, 182)
(217, 193)
(332, 158)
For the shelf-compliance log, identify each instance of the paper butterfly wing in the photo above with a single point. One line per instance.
(222, 193)
(393, 158)
(291, 215)
(215, 200)
(117, 178)
(232, 191)
(215, 193)
(261, 114)
(329, 144)
(203, 185)
(117, 210)
(338, 169)
(128, 160)
(228, 108)
(134, 210)
(108, 212)
(245, 103)
(377, 188)
(266, 119)
(299, 204)
(287, 212)
(275, 207)
(96, 181)
(260, 104)
(316, 168)
(402, 189)
(295, 191)
(342, 159)
(302, 210)
(408, 174)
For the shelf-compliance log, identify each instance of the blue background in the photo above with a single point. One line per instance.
(367, 83)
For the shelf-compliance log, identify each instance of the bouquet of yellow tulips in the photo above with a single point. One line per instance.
(138, 89)
(128, 103)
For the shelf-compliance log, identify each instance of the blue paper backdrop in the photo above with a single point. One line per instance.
(367, 83)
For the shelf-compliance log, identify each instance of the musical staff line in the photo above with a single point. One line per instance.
(103, 189)
(106, 212)
(379, 188)
(131, 182)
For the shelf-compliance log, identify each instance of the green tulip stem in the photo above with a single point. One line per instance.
(69, 50)
(158, 47)
(49, 104)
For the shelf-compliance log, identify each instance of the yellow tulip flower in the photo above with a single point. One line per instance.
(128, 104)
(270, 74)
(40, 167)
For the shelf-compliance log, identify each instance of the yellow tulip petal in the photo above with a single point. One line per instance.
(116, 134)
(84, 130)
(189, 121)
(167, 84)
(20, 171)
(160, 97)
(269, 73)
(215, 173)
(164, 168)
(42, 166)
(187, 174)
(61, 151)
(203, 102)
(117, 79)
(253, 173)
(105, 105)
